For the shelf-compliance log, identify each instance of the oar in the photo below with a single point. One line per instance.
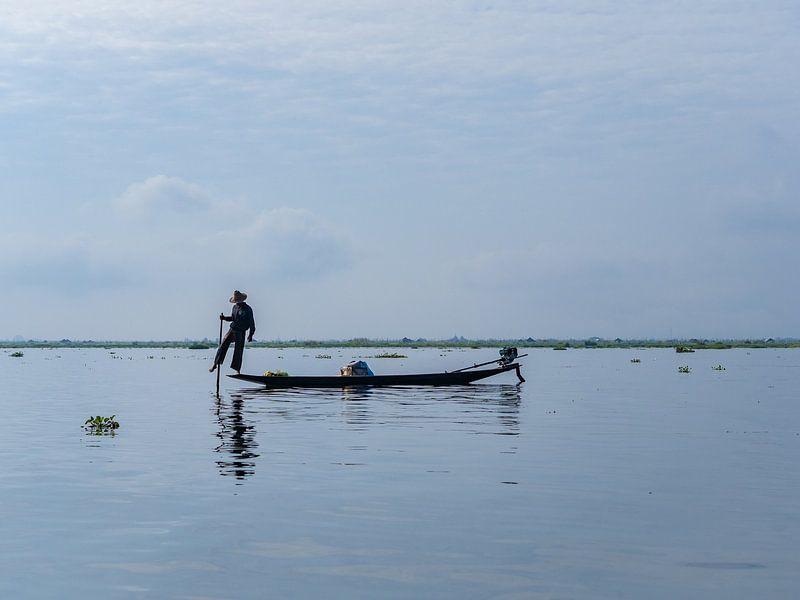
(219, 367)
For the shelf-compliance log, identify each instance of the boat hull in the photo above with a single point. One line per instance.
(337, 381)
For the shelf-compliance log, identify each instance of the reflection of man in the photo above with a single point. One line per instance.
(237, 440)
(241, 320)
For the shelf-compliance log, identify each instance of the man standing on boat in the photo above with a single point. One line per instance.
(241, 320)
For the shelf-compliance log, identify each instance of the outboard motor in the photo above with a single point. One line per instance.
(508, 355)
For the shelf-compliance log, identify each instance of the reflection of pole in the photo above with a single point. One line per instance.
(219, 367)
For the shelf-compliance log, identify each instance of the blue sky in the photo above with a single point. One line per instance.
(383, 169)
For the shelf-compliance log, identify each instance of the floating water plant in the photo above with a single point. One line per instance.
(322, 356)
(17, 354)
(636, 360)
(101, 425)
(390, 355)
(681, 349)
(559, 347)
(685, 369)
(275, 374)
(718, 368)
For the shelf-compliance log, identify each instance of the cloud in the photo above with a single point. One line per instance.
(579, 288)
(564, 66)
(181, 231)
(286, 243)
(70, 265)
(163, 195)
(178, 234)
(765, 223)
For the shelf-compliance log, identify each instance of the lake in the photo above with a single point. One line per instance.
(597, 478)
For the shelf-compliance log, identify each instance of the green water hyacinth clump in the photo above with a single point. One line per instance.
(390, 355)
(275, 374)
(17, 354)
(636, 360)
(101, 425)
(685, 369)
(718, 368)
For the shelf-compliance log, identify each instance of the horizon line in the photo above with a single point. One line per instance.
(421, 340)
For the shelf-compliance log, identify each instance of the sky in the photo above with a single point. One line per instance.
(400, 168)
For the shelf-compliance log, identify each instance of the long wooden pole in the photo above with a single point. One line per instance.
(486, 363)
(219, 367)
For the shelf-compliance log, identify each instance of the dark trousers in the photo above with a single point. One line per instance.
(237, 337)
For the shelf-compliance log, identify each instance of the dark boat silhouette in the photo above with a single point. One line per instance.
(459, 377)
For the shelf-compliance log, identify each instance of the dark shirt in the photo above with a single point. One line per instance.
(242, 318)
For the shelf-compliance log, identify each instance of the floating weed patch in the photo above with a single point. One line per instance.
(636, 360)
(275, 374)
(17, 354)
(101, 425)
(390, 355)
(322, 356)
(682, 349)
(685, 369)
(718, 368)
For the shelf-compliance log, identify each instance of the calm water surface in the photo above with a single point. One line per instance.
(598, 478)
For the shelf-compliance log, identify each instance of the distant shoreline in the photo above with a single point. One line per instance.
(590, 343)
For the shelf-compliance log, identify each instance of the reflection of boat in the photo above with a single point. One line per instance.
(460, 377)
(477, 408)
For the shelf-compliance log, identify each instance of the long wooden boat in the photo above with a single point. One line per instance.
(462, 377)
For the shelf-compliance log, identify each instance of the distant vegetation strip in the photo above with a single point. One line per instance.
(684, 344)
